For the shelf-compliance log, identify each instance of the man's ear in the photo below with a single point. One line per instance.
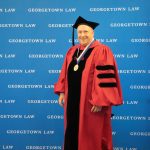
(93, 32)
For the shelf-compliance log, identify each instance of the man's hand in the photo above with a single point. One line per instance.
(96, 109)
(61, 99)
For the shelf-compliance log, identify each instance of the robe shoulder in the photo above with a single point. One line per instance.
(71, 50)
(103, 53)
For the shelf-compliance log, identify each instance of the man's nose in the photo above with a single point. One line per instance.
(82, 34)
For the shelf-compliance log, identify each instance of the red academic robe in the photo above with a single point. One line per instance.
(100, 86)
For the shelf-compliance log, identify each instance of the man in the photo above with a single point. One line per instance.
(88, 86)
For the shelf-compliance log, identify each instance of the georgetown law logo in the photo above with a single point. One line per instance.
(8, 147)
(42, 101)
(7, 101)
(139, 87)
(133, 71)
(130, 118)
(51, 10)
(30, 132)
(35, 41)
(55, 117)
(127, 56)
(115, 9)
(129, 24)
(7, 10)
(60, 25)
(17, 116)
(43, 147)
(140, 40)
(139, 133)
(53, 71)
(108, 40)
(7, 56)
(17, 71)
(30, 86)
(50, 56)
(17, 25)
(131, 102)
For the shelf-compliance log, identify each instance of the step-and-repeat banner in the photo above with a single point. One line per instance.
(34, 38)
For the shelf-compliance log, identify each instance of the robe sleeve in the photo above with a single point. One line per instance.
(106, 89)
(59, 87)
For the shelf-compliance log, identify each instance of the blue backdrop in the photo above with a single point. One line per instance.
(34, 38)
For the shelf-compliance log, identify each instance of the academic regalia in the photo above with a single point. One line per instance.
(96, 82)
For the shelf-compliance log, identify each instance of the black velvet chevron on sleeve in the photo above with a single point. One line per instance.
(105, 67)
(106, 75)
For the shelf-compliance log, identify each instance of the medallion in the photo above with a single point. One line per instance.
(76, 67)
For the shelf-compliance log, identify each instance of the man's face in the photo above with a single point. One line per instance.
(85, 34)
